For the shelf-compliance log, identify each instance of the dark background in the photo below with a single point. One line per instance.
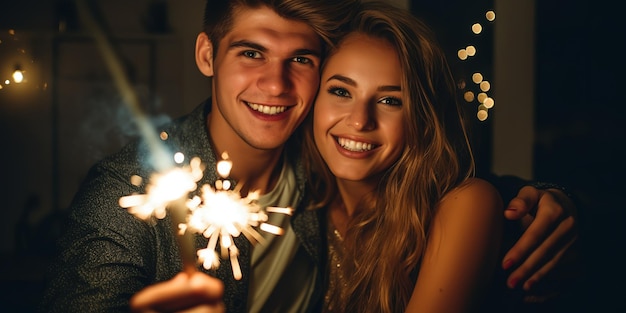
(580, 113)
(580, 124)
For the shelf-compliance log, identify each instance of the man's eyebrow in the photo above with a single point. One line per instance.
(308, 52)
(247, 44)
(352, 82)
(253, 45)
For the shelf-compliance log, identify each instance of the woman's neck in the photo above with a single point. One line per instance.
(352, 192)
(347, 203)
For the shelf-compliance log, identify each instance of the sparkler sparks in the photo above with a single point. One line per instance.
(163, 189)
(219, 213)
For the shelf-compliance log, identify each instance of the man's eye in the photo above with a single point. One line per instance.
(302, 60)
(252, 54)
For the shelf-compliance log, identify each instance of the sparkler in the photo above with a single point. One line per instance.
(219, 213)
(168, 192)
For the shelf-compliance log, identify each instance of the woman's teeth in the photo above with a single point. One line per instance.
(356, 146)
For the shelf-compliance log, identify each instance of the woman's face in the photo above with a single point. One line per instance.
(358, 114)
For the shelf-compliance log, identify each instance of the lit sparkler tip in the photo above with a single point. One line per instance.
(272, 229)
(182, 228)
(208, 258)
(132, 200)
(286, 211)
(234, 262)
(163, 189)
(223, 167)
(136, 180)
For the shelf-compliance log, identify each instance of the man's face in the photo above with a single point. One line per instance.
(266, 75)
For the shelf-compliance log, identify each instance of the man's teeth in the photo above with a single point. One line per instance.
(354, 145)
(266, 109)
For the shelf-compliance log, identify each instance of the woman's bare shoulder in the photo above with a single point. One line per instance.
(473, 193)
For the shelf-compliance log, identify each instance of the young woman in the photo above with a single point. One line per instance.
(409, 227)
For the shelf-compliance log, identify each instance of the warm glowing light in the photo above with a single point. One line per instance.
(477, 78)
(477, 28)
(482, 115)
(1, 87)
(163, 189)
(471, 51)
(485, 86)
(462, 54)
(219, 214)
(18, 76)
(490, 15)
(468, 96)
(136, 180)
(489, 103)
(163, 135)
(11, 32)
(179, 157)
(224, 166)
(7, 82)
(481, 97)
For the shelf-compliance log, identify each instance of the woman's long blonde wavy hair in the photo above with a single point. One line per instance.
(386, 239)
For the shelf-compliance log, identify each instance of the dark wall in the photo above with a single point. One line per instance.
(580, 123)
(581, 130)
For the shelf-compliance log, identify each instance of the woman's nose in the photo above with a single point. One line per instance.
(361, 118)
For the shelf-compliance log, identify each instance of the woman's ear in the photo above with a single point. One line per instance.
(204, 54)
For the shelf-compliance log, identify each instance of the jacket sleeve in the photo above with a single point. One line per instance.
(106, 254)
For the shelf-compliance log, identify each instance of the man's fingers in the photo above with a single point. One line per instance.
(549, 268)
(547, 218)
(545, 256)
(523, 204)
(530, 239)
(180, 293)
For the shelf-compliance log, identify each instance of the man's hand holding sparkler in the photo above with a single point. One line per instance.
(189, 292)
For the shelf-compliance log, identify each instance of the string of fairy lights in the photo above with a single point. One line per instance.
(478, 92)
(16, 73)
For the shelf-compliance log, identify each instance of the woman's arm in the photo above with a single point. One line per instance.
(462, 250)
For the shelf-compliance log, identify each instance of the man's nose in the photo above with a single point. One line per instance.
(275, 79)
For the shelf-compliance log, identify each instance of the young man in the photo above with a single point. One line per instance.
(264, 58)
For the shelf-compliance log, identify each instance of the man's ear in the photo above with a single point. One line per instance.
(204, 54)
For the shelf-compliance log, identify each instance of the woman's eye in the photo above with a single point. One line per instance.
(340, 92)
(391, 101)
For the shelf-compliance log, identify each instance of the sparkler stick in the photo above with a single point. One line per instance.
(179, 211)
